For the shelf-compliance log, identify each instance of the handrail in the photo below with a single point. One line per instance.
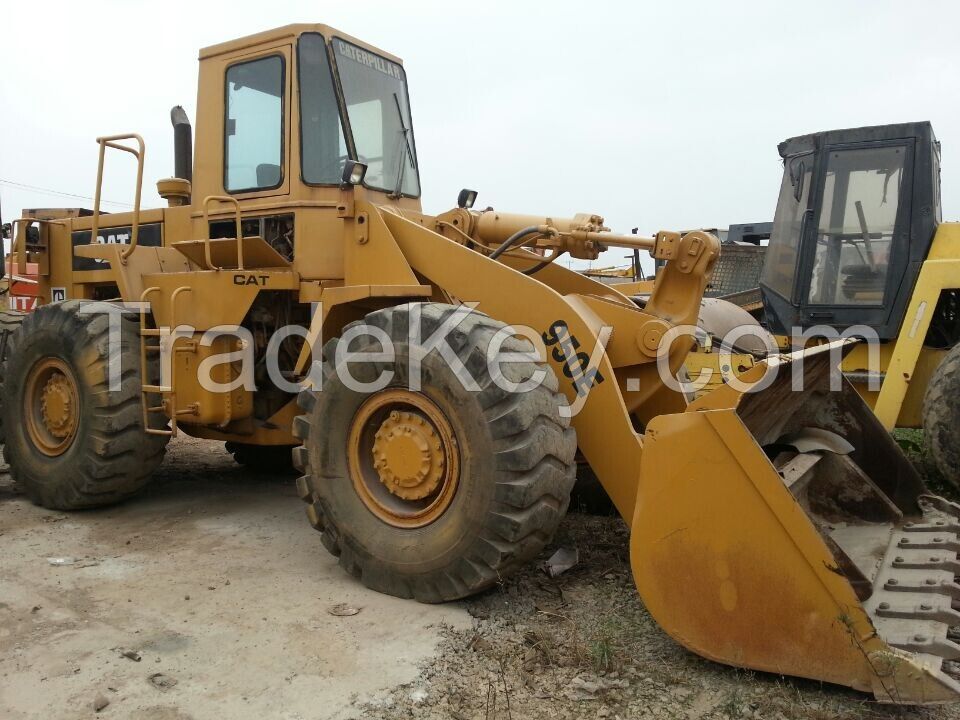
(111, 141)
(18, 248)
(206, 221)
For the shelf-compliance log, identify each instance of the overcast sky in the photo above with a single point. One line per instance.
(654, 115)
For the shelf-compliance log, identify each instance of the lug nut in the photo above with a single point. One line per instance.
(893, 581)
(883, 606)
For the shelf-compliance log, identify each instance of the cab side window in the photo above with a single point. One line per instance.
(780, 265)
(253, 128)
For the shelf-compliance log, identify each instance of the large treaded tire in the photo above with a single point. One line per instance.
(110, 456)
(10, 321)
(941, 417)
(516, 455)
(274, 459)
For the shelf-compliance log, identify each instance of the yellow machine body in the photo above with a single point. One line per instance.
(737, 558)
(907, 364)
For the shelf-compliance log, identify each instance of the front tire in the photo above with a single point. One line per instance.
(941, 417)
(73, 441)
(434, 494)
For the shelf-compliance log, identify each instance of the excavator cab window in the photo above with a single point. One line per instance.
(780, 265)
(856, 224)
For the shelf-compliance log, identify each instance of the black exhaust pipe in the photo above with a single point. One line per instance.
(182, 144)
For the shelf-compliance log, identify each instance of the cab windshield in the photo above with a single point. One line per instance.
(856, 224)
(377, 110)
(375, 91)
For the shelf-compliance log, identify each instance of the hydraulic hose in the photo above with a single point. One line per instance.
(541, 265)
(513, 240)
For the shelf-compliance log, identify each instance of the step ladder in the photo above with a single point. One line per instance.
(167, 406)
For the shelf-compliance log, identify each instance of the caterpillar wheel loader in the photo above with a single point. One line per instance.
(779, 530)
(859, 246)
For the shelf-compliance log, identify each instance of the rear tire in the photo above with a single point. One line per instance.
(73, 441)
(10, 321)
(941, 417)
(514, 455)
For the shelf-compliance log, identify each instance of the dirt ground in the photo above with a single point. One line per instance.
(583, 646)
(216, 582)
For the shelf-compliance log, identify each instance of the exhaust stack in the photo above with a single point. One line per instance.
(182, 144)
(177, 190)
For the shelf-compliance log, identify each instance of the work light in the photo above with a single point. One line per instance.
(353, 172)
(466, 198)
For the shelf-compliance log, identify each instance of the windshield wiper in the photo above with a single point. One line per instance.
(408, 151)
(865, 234)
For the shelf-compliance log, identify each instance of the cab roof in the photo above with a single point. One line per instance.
(806, 143)
(290, 32)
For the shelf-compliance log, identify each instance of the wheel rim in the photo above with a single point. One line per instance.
(404, 459)
(51, 406)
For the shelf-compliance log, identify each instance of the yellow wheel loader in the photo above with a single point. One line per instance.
(438, 373)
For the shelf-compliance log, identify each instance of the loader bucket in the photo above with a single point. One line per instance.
(784, 531)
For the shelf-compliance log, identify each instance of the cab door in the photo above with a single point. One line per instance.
(244, 124)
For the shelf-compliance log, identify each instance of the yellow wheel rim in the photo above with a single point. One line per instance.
(51, 406)
(403, 458)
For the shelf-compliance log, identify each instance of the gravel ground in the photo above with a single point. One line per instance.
(583, 646)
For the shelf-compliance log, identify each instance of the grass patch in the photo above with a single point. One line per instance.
(912, 443)
(603, 646)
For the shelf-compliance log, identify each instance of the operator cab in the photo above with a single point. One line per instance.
(855, 219)
(302, 105)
